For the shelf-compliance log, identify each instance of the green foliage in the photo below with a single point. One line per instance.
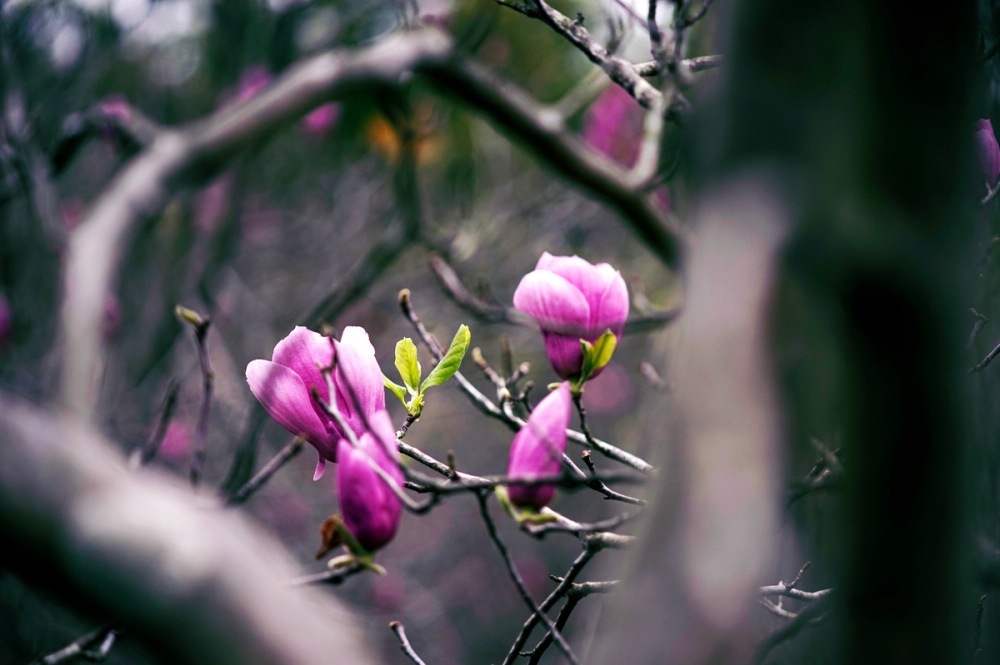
(451, 361)
(597, 355)
(409, 370)
(407, 364)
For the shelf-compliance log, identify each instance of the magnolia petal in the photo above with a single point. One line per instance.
(358, 372)
(320, 469)
(612, 307)
(565, 354)
(285, 397)
(370, 510)
(538, 448)
(592, 281)
(305, 352)
(553, 302)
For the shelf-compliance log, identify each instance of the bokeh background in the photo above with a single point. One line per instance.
(260, 245)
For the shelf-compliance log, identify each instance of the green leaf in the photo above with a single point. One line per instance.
(407, 363)
(603, 349)
(397, 390)
(598, 354)
(451, 361)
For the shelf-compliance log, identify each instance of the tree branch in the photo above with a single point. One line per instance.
(199, 586)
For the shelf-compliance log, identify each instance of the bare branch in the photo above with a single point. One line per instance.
(198, 586)
(287, 453)
(404, 643)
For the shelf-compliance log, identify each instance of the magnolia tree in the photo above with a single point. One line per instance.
(708, 274)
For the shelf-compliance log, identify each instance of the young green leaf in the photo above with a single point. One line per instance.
(597, 355)
(603, 349)
(407, 363)
(451, 361)
(397, 390)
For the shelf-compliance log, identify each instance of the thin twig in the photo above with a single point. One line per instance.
(286, 454)
(809, 616)
(144, 454)
(93, 646)
(576, 593)
(489, 408)
(519, 583)
(332, 577)
(985, 361)
(404, 643)
(201, 325)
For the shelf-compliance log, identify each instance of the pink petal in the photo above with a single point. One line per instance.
(285, 397)
(320, 469)
(552, 301)
(358, 371)
(591, 280)
(538, 448)
(612, 308)
(304, 351)
(370, 510)
(565, 354)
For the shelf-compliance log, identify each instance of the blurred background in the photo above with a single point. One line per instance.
(314, 224)
(259, 246)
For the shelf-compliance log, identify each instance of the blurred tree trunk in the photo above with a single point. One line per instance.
(855, 114)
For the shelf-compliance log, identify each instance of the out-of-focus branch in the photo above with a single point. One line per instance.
(701, 562)
(542, 131)
(291, 449)
(199, 586)
(618, 70)
(144, 454)
(808, 616)
(93, 646)
(201, 148)
(692, 65)
(404, 643)
(197, 150)
(115, 117)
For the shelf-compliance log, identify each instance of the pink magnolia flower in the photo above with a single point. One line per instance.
(572, 299)
(283, 386)
(369, 508)
(987, 151)
(538, 448)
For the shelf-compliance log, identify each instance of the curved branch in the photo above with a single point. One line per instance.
(200, 586)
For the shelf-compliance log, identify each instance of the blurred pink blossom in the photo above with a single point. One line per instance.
(613, 126)
(177, 441)
(116, 107)
(212, 203)
(611, 393)
(987, 151)
(253, 80)
(320, 120)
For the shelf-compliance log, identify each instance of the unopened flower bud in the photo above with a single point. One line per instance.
(537, 450)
